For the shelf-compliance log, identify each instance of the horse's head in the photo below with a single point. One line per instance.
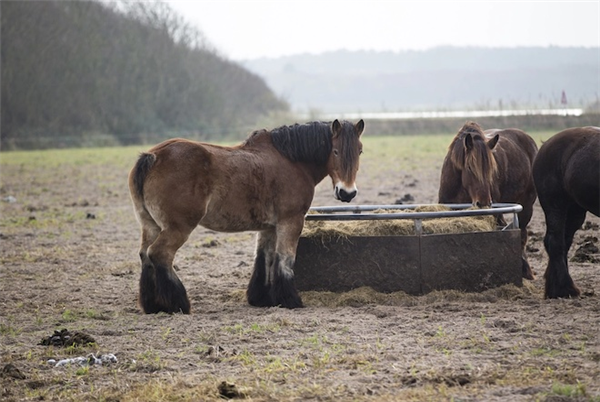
(479, 169)
(343, 160)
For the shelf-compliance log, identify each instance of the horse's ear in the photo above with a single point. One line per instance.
(492, 143)
(336, 128)
(360, 126)
(468, 142)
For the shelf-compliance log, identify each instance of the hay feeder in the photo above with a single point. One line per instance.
(417, 261)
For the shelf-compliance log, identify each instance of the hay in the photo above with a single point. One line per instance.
(364, 296)
(361, 296)
(399, 227)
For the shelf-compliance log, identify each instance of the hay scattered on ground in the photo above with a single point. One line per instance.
(365, 295)
(400, 227)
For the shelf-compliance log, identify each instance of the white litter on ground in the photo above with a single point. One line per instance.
(89, 360)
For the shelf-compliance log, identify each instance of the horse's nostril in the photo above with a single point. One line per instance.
(346, 196)
(478, 204)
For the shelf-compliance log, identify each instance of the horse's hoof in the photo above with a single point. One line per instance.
(292, 303)
(259, 300)
(153, 308)
(567, 293)
(527, 272)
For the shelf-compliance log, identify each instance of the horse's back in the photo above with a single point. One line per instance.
(227, 189)
(178, 162)
(177, 148)
(569, 163)
(516, 142)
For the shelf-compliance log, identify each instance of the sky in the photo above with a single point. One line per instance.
(249, 29)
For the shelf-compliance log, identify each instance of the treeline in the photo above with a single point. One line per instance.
(85, 72)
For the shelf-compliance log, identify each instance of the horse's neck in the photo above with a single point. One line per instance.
(317, 172)
(262, 140)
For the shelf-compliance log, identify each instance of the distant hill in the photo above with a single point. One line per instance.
(438, 79)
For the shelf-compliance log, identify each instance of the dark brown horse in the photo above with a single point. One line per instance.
(566, 172)
(265, 184)
(482, 167)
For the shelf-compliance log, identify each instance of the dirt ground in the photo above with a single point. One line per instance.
(69, 243)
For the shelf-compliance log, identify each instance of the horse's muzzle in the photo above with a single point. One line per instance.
(344, 195)
(479, 204)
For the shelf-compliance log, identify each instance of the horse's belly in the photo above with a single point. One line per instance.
(228, 221)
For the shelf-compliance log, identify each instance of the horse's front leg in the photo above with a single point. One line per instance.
(258, 293)
(283, 290)
(524, 218)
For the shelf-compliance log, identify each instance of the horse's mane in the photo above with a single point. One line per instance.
(310, 142)
(479, 161)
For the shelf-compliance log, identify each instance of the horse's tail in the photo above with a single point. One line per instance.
(140, 171)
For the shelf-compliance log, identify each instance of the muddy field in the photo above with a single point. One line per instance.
(69, 244)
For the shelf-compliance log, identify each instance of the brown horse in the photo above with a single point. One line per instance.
(482, 167)
(265, 184)
(566, 172)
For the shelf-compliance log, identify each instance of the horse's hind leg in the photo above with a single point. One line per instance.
(258, 289)
(150, 232)
(561, 226)
(575, 218)
(169, 294)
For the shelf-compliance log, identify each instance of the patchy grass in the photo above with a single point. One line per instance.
(65, 268)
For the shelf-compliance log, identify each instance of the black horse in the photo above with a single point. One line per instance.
(566, 173)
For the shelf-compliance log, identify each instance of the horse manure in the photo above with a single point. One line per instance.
(229, 391)
(211, 243)
(407, 197)
(585, 252)
(66, 338)
(10, 370)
